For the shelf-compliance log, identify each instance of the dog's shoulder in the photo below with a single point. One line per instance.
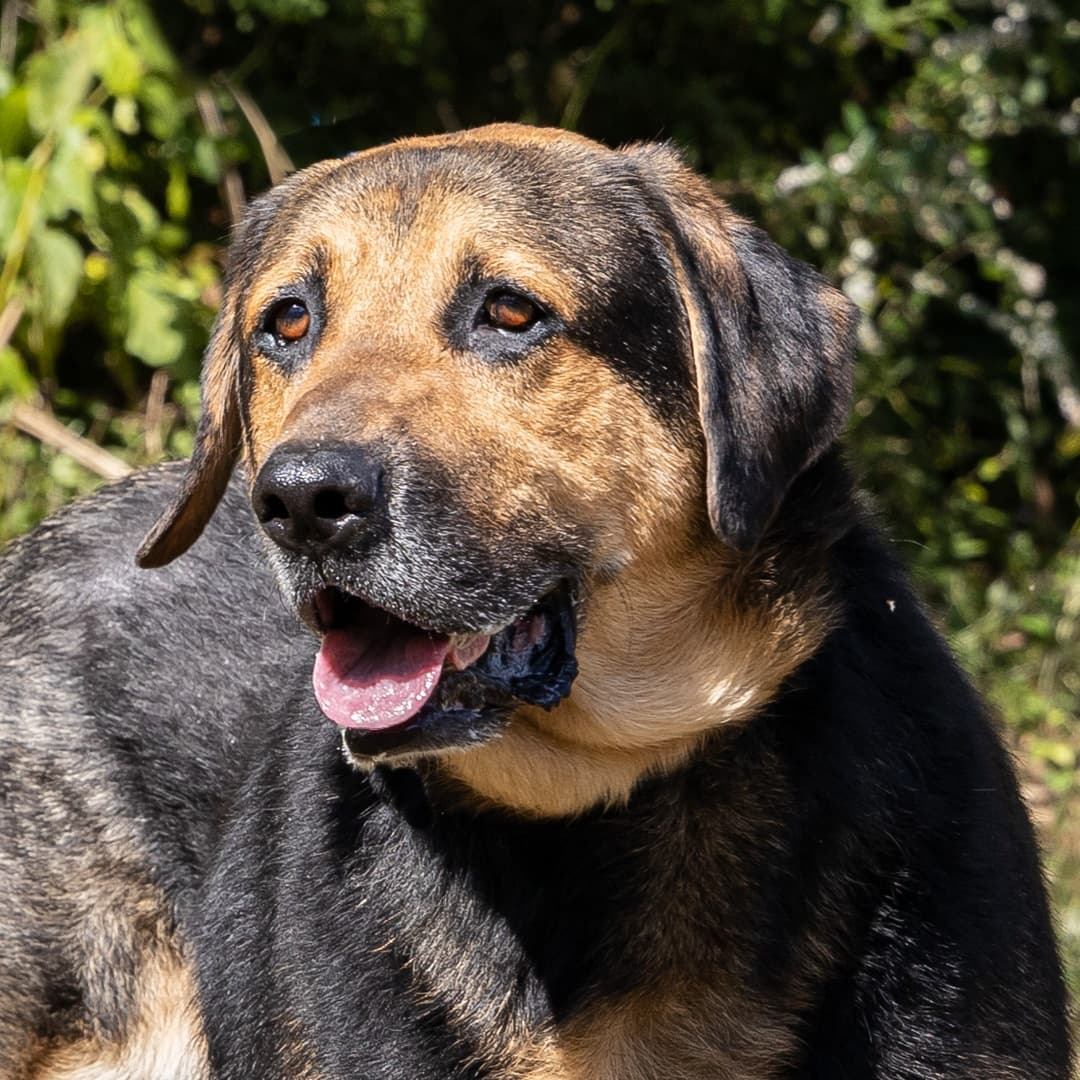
(143, 684)
(894, 764)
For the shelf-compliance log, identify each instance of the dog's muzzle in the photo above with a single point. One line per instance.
(392, 683)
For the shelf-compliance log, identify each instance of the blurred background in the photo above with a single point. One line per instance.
(925, 155)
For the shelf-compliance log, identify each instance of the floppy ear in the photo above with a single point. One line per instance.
(772, 343)
(220, 433)
(217, 444)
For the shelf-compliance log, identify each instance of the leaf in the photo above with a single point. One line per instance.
(1038, 626)
(69, 182)
(177, 193)
(207, 162)
(121, 68)
(968, 547)
(14, 179)
(58, 80)
(141, 209)
(152, 313)
(15, 380)
(14, 125)
(1056, 752)
(164, 111)
(1069, 444)
(145, 37)
(854, 118)
(56, 266)
(126, 116)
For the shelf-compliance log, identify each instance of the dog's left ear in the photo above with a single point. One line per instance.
(772, 341)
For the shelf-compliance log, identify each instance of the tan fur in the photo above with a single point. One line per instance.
(674, 1029)
(840, 312)
(673, 1033)
(163, 1040)
(296, 1052)
(383, 369)
(668, 654)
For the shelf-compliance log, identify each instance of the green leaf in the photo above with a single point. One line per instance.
(69, 182)
(1038, 626)
(126, 116)
(14, 179)
(15, 380)
(58, 81)
(1057, 753)
(207, 161)
(14, 126)
(164, 110)
(968, 547)
(56, 266)
(854, 117)
(177, 193)
(141, 209)
(145, 37)
(152, 313)
(121, 68)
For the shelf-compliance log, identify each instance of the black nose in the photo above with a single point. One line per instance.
(315, 499)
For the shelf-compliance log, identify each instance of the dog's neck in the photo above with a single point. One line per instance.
(685, 641)
(674, 650)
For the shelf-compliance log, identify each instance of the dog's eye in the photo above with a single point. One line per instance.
(288, 321)
(505, 310)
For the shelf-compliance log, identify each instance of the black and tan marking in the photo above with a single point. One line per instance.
(734, 815)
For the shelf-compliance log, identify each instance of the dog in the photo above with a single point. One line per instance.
(599, 735)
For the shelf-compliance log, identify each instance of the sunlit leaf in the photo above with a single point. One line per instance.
(69, 182)
(152, 316)
(56, 266)
(58, 81)
(15, 380)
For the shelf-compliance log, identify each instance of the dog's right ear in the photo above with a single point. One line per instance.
(219, 435)
(217, 445)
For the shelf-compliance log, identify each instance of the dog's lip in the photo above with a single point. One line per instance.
(375, 672)
(319, 611)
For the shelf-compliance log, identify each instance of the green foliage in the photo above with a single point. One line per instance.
(927, 155)
(97, 122)
(967, 415)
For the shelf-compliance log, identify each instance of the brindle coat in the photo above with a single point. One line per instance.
(770, 832)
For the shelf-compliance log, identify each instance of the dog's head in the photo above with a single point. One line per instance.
(486, 384)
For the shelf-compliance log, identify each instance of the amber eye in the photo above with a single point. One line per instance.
(509, 311)
(289, 321)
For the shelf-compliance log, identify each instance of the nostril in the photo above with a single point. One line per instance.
(330, 505)
(271, 508)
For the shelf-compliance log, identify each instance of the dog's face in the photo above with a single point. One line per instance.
(513, 403)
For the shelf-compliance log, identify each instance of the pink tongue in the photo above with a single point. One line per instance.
(361, 683)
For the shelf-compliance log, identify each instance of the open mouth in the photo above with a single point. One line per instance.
(393, 685)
